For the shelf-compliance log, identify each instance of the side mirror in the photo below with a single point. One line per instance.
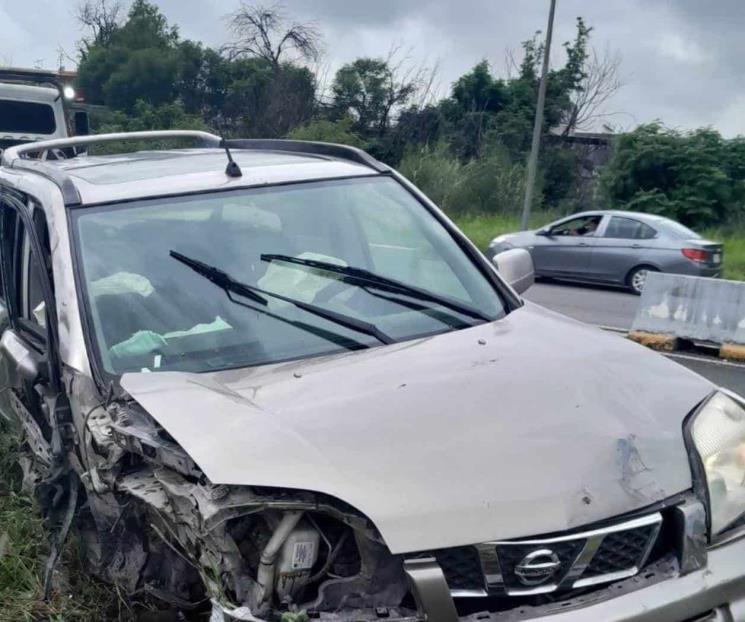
(516, 267)
(544, 231)
(82, 125)
(27, 362)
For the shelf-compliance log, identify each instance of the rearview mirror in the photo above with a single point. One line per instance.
(27, 362)
(516, 267)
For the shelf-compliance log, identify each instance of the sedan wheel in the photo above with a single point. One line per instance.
(638, 278)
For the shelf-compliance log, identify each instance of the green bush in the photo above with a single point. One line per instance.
(695, 177)
(489, 184)
(328, 132)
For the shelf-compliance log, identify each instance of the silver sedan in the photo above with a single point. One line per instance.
(614, 247)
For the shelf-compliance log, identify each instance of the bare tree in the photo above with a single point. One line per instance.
(100, 18)
(266, 32)
(601, 83)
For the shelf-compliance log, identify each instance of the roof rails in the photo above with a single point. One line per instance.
(12, 154)
(331, 150)
(13, 157)
(36, 77)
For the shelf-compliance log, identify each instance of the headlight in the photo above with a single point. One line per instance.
(500, 243)
(718, 433)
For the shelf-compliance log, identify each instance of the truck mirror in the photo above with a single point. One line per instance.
(82, 125)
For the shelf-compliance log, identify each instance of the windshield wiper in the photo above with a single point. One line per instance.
(223, 280)
(220, 278)
(365, 278)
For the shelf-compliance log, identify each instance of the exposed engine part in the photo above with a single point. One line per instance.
(150, 521)
(267, 568)
(295, 561)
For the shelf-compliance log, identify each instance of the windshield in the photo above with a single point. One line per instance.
(24, 117)
(206, 282)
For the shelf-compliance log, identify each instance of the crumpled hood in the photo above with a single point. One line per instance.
(528, 425)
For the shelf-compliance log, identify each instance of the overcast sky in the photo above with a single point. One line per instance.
(683, 61)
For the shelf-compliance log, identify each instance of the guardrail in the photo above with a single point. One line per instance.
(676, 307)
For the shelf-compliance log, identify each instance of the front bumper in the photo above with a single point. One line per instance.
(660, 594)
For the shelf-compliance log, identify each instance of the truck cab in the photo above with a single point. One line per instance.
(37, 105)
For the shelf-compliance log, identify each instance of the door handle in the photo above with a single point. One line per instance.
(583, 244)
(636, 246)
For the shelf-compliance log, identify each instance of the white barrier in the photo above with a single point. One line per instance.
(694, 308)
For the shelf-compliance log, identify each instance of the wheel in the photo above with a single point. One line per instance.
(638, 277)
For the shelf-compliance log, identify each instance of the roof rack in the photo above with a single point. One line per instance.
(13, 157)
(12, 154)
(34, 77)
(331, 150)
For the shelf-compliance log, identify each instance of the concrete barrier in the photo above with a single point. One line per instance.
(674, 307)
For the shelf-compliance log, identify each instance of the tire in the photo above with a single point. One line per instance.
(637, 277)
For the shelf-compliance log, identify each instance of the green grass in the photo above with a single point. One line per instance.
(734, 250)
(482, 228)
(23, 554)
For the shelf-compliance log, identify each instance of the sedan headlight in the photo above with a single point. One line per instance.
(718, 433)
(501, 242)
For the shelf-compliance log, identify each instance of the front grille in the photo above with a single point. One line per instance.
(619, 551)
(545, 565)
(461, 567)
(511, 554)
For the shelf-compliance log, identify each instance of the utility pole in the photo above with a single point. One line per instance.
(535, 145)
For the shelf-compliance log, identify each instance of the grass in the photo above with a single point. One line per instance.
(23, 552)
(482, 228)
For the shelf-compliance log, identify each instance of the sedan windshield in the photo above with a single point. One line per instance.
(249, 277)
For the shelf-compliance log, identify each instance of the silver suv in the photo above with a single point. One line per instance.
(272, 377)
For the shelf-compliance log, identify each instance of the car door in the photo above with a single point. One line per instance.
(29, 365)
(565, 249)
(623, 244)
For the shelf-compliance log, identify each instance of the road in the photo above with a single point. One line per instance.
(615, 309)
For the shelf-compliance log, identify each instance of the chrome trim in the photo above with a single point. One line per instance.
(634, 523)
(525, 570)
(605, 578)
(430, 590)
(468, 593)
(494, 583)
(572, 578)
(489, 563)
(582, 561)
(531, 591)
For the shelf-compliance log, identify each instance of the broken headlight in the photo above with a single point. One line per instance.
(718, 434)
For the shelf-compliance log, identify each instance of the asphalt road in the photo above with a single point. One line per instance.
(615, 309)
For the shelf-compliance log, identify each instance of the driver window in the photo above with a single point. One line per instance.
(585, 226)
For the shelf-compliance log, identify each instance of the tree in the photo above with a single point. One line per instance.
(479, 91)
(696, 177)
(370, 90)
(101, 18)
(138, 60)
(266, 32)
(600, 84)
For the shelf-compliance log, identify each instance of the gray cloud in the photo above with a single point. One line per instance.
(682, 59)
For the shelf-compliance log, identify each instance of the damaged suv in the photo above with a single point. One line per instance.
(289, 388)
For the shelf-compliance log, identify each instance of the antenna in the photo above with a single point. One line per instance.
(232, 169)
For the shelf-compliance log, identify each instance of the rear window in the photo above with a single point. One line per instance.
(22, 117)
